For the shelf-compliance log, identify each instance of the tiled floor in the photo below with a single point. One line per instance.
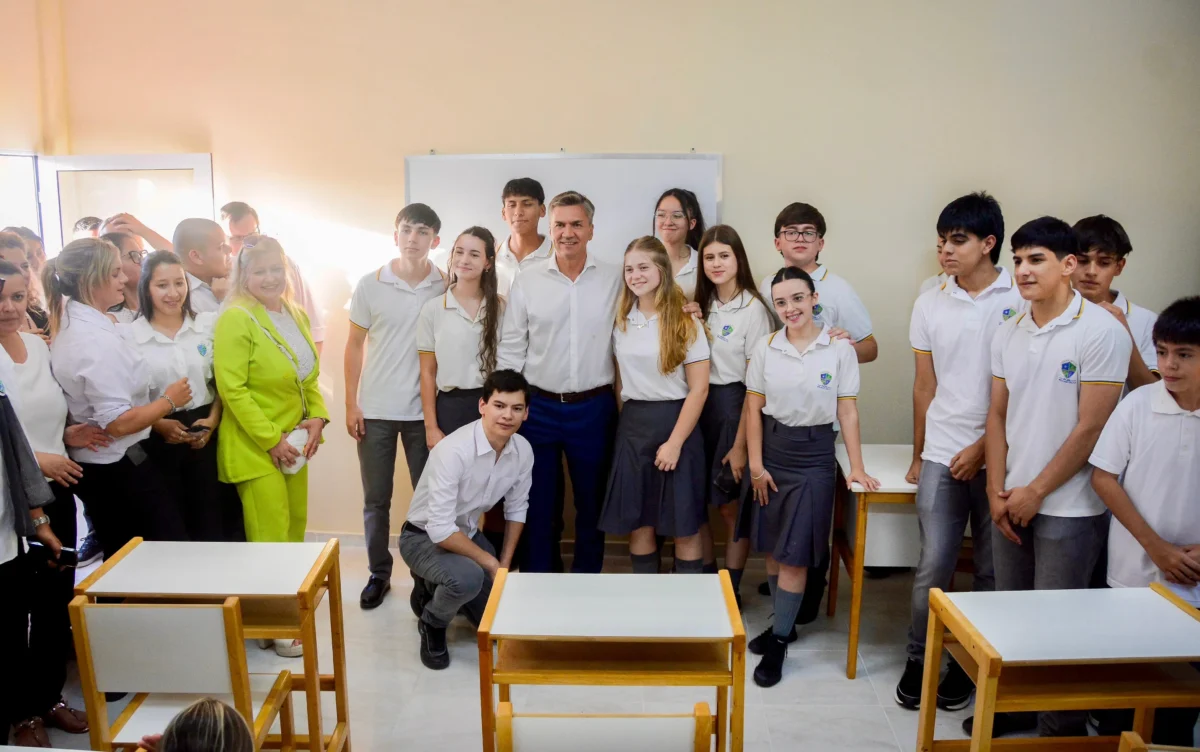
(395, 703)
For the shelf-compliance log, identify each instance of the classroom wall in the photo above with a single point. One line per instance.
(875, 111)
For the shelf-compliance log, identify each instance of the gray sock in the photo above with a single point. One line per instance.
(787, 605)
(773, 582)
(689, 566)
(644, 563)
(735, 578)
(710, 567)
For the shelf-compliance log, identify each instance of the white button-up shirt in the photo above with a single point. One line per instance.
(803, 388)
(957, 330)
(102, 375)
(507, 266)
(838, 305)
(1155, 443)
(201, 295)
(558, 331)
(464, 478)
(36, 397)
(737, 327)
(637, 351)
(189, 355)
(446, 331)
(1044, 369)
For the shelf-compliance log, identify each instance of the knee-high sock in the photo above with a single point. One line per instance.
(644, 563)
(787, 605)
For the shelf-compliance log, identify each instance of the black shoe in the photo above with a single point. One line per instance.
(770, 668)
(89, 550)
(372, 594)
(433, 646)
(758, 645)
(1005, 723)
(908, 691)
(956, 688)
(764, 588)
(814, 591)
(419, 596)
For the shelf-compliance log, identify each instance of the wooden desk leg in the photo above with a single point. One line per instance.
(737, 713)
(312, 675)
(860, 548)
(722, 718)
(338, 637)
(934, 634)
(487, 711)
(985, 711)
(1143, 722)
(504, 693)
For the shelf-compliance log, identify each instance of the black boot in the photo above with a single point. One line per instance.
(758, 646)
(814, 591)
(419, 596)
(433, 646)
(770, 668)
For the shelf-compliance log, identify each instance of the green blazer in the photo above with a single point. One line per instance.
(259, 392)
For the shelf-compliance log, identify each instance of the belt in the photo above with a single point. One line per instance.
(570, 397)
(409, 527)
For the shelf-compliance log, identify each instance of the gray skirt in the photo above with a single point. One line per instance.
(718, 426)
(639, 494)
(795, 524)
(456, 408)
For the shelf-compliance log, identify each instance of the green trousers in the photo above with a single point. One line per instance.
(275, 507)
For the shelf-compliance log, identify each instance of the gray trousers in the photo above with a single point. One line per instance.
(377, 464)
(456, 582)
(1056, 553)
(944, 506)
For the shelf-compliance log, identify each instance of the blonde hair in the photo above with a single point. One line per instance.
(82, 267)
(207, 725)
(676, 330)
(254, 248)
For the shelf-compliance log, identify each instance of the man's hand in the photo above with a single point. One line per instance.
(433, 435)
(1176, 563)
(85, 435)
(491, 565)
(835, 333)
(1023, 504)
(998, 505)
(913, 475)
(1119, 315)
(355, 426)
(966, 464)
(126, 223)
(59, 469)
(692, 308)
(736, 458)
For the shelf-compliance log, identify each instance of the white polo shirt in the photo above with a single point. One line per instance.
(957, 331)
(445, 331)
(803, 388)
(688, 274)
(1044, 370)
(736, 326)
(558, 331)
(637, 352)
(1156, 445)
(839, 305)
(936, 280)
(35, 396)
(201, 295)
(387, 308)
(189, 355)
(507, 266)
(1141, 323)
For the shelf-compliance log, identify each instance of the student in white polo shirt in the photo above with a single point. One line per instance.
(558, 331)
(206, 255)
(737, 319)
(1058, 371)
(951, 334)
(679, 224)
(658, 480)
(523, 204)
(386, 406)
(800, 381)
(936, 280)
(1104, 250)
(1146, 471)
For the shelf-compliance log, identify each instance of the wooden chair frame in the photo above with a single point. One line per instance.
(701, 742)
(1132, 742)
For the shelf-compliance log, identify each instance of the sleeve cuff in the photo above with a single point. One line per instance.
(1109, 467)
(439, 533)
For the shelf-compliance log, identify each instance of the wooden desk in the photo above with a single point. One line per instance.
(280, 586)
(889, 463)
(1042, 650)
(614, 630)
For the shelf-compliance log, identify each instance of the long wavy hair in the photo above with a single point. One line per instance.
(676, 330)
(492, 306)
(706, 291)
(77, 272)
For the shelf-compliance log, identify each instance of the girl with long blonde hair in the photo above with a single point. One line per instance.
(657, 482)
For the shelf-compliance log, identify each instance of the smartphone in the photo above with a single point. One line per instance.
(68, 558)
(197, 429)
(725, 482)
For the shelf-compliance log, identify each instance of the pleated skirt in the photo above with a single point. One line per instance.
(456, 408)
(718, 427)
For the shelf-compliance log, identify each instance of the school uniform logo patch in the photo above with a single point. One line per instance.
(826, 379)
(202, 349)
(1070, 372)
(817, 310)
(726, 330)
(1008, 313)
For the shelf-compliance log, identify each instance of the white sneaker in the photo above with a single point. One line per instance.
(289, 648)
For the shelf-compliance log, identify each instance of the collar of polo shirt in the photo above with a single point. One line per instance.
(1122, 302)
(1003, 281)
(780, 342)
(1164, 404)
(819, 273)
(450, 303)
(637, 317)
(692, 262)
(143, 332)
(1074, 311)
(736, 303)
(388, 276)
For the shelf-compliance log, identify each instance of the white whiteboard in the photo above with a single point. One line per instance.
(464, 190)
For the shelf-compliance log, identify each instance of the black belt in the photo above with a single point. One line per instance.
(572, 397)
(411, 528)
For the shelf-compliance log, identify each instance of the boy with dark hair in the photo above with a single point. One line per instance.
(87, 227)
(206, 255)
(1104, 247)
(1146, 472)
(951, 334)
(523, 203)
(383, 313)
(1058, 371)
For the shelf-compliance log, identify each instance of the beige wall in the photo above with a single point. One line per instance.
(876, 111)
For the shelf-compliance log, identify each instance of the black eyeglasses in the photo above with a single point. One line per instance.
(135, 256)
(792, 236)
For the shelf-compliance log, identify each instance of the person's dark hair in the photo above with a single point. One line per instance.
(1104, 234)
(488, 283)
(976, 213)
(237, 211)
(207, 725)
(419, 214)
(12, 240)
(800, 214)
(792, 272)
(116, 238)
(25, 233)
(191, 235)
(691, 208)
(149, 265)
(706, 291)
(87, 224)
(506, 381)
(523, 187)
(1050, 233)
(1179, 323)
(8, 270)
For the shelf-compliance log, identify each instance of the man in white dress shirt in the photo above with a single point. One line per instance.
(558, 332)
(468, 472)
(206, 255)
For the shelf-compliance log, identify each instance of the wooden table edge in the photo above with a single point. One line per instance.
(107, 566)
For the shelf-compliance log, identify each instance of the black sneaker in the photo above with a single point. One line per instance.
(419, 596)
(372, 594)
(758, 645)
(433, 646)
(814, 591)
(1006, 723)
(764, 588)
(908, 691)
(89, 550)
(956, 688)
(770, 668)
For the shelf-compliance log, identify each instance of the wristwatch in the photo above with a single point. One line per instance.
(39, 521)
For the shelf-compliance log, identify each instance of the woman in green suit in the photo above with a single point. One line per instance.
(266, 369)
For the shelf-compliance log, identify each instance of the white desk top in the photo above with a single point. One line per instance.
(211, 569)
(619, 606)
(1118, 625)
(887, 462)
